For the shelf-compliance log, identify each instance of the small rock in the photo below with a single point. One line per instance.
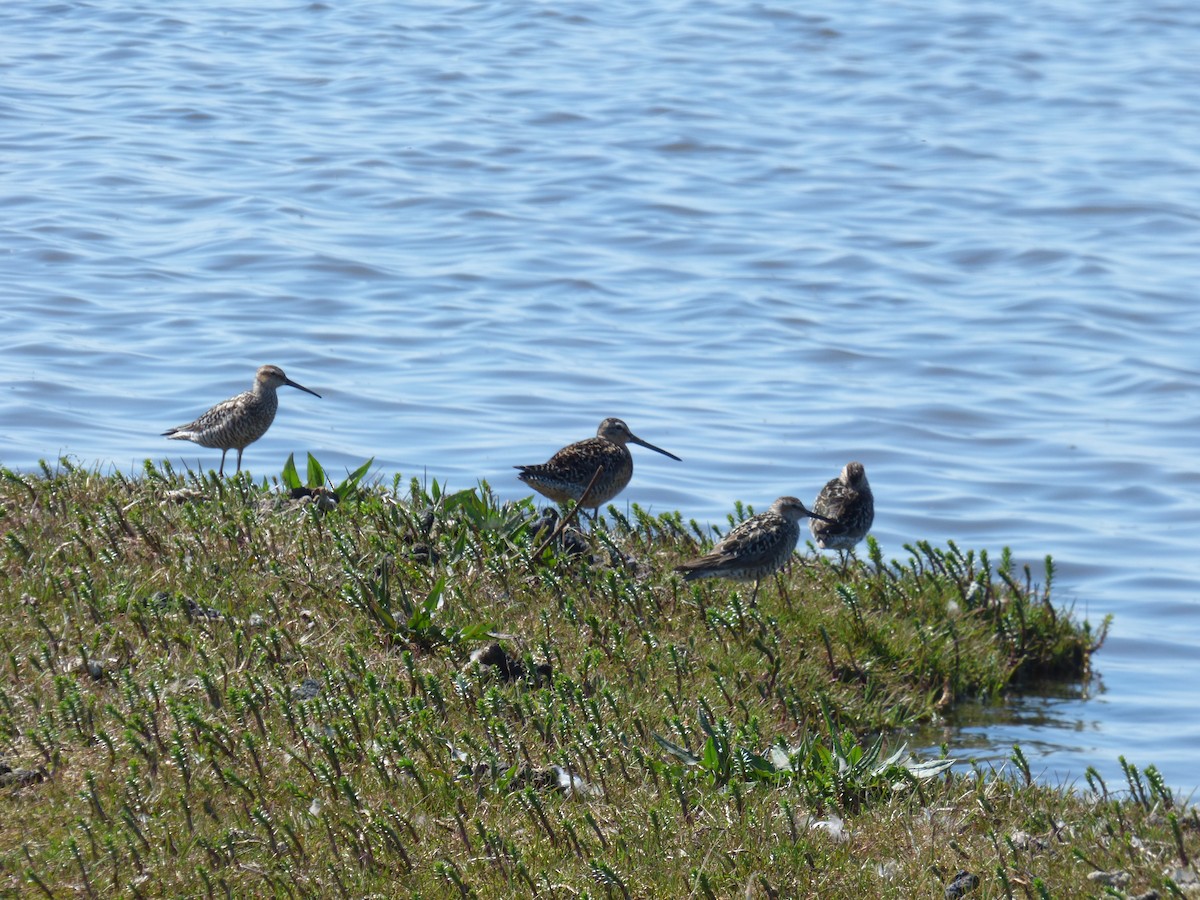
(1023, 840)
(308, 689)
(1184, 876)
(426, 523)
(95, 669)
(1117, 879)
(542, 779)
(963, 882)
(21, 777)
(621, 560)
(423, 553)
(572, 541)
(507, 666)
(575, 544)
(550, 778)
(183, 495)
(324, 498)
(541, 527)
(496, 657)
(195, 611)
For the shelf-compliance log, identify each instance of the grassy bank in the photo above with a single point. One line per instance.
(214, 688)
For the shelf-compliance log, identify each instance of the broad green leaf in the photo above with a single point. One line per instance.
(351, 481)
(290, 477)
(753, 764)
(316, 474)
(711, 758)
(460, 498)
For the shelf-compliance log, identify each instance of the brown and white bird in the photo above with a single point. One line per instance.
(239, 421)
(755, 548)
(848, 509)
(567, 474)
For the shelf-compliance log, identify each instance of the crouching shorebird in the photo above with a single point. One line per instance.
(567, 474)
(239, 421)
(754, 548)
(847, 509)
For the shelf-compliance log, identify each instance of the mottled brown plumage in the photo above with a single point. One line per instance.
(566, 475)
(848, 505)
(239, 421)
(754, 548)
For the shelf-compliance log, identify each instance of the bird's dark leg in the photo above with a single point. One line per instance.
(782, 584)
(577, 513)
(239, 468)
(221, 471)
(587, 493)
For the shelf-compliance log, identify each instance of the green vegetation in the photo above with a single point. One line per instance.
(218, 688)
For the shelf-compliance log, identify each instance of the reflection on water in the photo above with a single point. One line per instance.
(974, 730)
(1062, 729)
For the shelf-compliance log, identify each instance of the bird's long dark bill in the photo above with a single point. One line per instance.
(650, 446)
(301, 387)
(813, 515)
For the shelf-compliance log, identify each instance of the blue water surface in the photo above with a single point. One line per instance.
(957, 241)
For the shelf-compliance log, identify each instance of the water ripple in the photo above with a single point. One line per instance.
(954, 241)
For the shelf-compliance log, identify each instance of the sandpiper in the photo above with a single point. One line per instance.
(848, 508)
(754, 548)
(567, 474)
(239, 421)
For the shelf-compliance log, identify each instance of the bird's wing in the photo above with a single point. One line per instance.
(749, 544)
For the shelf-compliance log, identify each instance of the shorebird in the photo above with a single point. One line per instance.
(239, 421)
(754, 548)
(567, 474)
(848, 508)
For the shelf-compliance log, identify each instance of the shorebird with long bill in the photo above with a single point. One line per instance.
(238, 422)
(847, 509)
(755, 548)
(603, 462)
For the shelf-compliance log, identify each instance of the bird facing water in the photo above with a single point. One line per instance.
(567, 474)
(848, 508)
(239, 421)
(755, 548)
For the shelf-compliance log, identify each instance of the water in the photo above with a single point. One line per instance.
(956, 241)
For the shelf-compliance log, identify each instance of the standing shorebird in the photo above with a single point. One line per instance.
(567, 474)
(754, 548)
(848, 508)
(241, 420)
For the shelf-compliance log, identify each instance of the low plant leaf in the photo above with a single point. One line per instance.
(684, 756)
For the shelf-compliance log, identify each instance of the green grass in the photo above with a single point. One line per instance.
(213, 689)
